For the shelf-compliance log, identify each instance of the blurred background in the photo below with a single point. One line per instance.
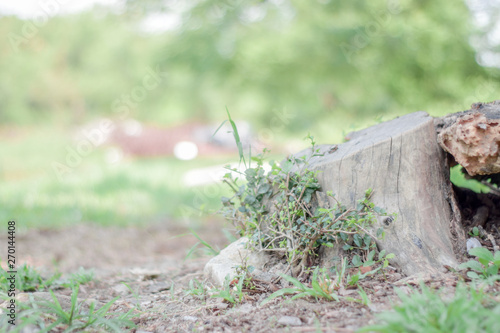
(108, 108)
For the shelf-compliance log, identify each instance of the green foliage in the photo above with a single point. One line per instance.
(486, 267)
(321, 287)
(278, 210)
(469, 310)
(474, 232)
(458, 178)
(196, 288)
(129, 193)
(376, 266)
(209, 250)
(28, 279)
(76, 66)
(232, 290)
(51, 315)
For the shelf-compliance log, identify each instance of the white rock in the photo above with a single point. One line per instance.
(472, 243)
(290, 321)
(230, 258)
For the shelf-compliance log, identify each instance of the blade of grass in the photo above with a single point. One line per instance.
(236, 136)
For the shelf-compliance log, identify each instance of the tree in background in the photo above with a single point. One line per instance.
(320, 60)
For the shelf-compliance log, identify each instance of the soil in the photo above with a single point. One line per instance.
(152, 262)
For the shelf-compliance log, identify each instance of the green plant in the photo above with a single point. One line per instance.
(321, 287)
(51, 316)
(28, 279)
(382, 262)
(82, 276)
(232, 290)
(209, 250)
(279, 211)
(196, 288)
(426, 311)
(474, 232)
(486, 267)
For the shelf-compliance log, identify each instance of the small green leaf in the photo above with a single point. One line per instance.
(473, 275)
(249, 199)
(482, 253)
(370, 255)
(264, 188)
(381, 255)
(357, 240)
(472, 264)
(287, 166)
(492, 270)
(356, 261)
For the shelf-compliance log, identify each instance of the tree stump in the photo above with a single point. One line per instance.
(404, 165)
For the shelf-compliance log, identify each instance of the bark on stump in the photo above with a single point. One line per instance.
(404, 165)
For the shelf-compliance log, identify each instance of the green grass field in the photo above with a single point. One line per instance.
(133, 191)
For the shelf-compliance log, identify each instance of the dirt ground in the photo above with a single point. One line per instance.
(151, 261)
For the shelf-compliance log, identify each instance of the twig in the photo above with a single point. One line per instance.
(495, 190)
(360, 227)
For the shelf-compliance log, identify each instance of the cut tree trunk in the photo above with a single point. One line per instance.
(403, 163)
(408, 172)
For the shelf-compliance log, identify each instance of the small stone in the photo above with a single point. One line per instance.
(472, 243)
(190, 318)
(158, 287)
(121, 289)
(244, 309)
(290, 321)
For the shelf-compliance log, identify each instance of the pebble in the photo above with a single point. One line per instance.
(190, 318)
(472, 243)
(158, 287)
(290, 321)
(121, 289)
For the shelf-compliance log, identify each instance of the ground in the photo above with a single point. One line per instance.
(152, 262)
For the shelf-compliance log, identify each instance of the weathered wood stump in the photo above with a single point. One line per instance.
(404, 165)
(408, 170)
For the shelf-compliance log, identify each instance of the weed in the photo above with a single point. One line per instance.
(426, 311)
(279, 210)
(321, 287)
(196, 288)
(82, 276)
(232, 290)
(486, 267)
(51, 315)
(28, 279)
(209, 250)
(474, 232)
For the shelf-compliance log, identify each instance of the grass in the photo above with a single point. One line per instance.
(29, 279)
(470, 310)
(133, 191)
(50, 315)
